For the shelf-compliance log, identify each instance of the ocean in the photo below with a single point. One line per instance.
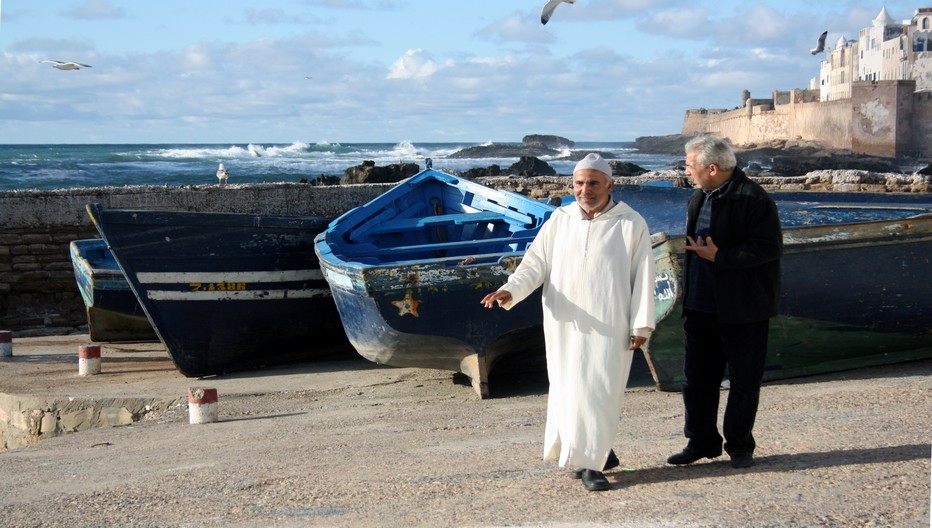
(69, 166)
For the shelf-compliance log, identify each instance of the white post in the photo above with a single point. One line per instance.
(202, 405)
(88, 360)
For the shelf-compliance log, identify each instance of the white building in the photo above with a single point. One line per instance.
(885, 51)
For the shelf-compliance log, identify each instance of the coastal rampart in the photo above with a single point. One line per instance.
(882, 118)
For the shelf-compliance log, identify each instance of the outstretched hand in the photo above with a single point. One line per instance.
(501, 297)
(704, 247)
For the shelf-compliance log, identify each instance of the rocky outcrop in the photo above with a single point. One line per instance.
(479, 172)
(624, 168)
(672, 144)
(368, 172)
(547, 142)
(531, 166)
(536, 145)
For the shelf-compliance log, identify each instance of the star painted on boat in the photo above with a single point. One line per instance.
(408, 305)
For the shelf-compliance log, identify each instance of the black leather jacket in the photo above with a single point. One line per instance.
(746, 229)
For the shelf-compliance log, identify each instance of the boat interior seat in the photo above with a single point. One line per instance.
(384, 255)
(406, 224)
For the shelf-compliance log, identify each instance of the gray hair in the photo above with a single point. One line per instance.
(711, 149)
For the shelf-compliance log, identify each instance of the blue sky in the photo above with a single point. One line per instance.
(230, 71)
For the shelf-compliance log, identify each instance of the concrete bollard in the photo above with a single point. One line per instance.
(202, 405)
(6, 343)
(88, 360)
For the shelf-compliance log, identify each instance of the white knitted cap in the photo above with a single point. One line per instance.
(594, 161)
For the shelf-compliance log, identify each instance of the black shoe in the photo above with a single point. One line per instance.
(742, 460)
(594, 480)
(690, 455)
(610, 462)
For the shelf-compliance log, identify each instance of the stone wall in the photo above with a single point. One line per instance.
(885, 118)
(38, 292)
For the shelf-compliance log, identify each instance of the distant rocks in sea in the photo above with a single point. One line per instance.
(368, 172)
(777, 165)
(531, 145)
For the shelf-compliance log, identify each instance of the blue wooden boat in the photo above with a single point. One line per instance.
(854, 294)
(226, 291)
(408, 269)
(113, 313)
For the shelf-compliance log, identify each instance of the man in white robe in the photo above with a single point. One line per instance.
(594, 261)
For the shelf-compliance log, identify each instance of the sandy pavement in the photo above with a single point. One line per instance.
(349, 443)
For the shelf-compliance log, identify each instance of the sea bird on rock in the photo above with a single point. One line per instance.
(549, 7)
(222, 175)
(821, 45)
(67, 65)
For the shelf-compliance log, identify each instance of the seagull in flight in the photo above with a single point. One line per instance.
(549, 7)
(821, 45)
(67, 65)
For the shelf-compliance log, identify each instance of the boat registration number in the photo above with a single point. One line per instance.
(217, 286)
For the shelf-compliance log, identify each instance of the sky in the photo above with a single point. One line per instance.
(231, 71)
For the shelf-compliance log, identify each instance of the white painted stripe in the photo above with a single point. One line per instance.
(187, 277)
(254, 295)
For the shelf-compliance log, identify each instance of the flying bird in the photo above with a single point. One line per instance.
(549, 7)
(66, 65)
(821, 45)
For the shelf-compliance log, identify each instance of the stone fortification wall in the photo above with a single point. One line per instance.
(922, 122)
(882, 118)
(828, 123)
(38, 293)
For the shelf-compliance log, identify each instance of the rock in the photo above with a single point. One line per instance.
(672, 144)
(624, 168)
(577, 155)
(926, 171)
(479, 172)
(531, 166)
(322, 180)
(369, 173)
(547, 142)
(502, 150)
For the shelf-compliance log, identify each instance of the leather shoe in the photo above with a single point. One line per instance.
(742, 460)
(610, 462)
(594, 480)
(690, 455)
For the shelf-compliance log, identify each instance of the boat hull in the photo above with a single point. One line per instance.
(408, 271)
(113, 313)
(429, 316)
(853, 295)
(227, 292)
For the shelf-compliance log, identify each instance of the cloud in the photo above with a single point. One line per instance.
(266, 16)
(414, 64)
(517, 27)
(96, 10)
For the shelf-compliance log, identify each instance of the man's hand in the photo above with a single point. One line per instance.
(501, 297)
(704, 247)
(637, 342)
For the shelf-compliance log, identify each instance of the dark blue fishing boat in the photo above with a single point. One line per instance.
(113, 313)
(854, 294)
(226, 291)
(409, 268)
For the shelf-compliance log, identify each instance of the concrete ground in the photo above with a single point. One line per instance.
(350, 443)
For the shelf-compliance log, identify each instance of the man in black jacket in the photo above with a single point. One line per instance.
(731, 290)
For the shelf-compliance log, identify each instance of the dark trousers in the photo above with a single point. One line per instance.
(710, 347)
